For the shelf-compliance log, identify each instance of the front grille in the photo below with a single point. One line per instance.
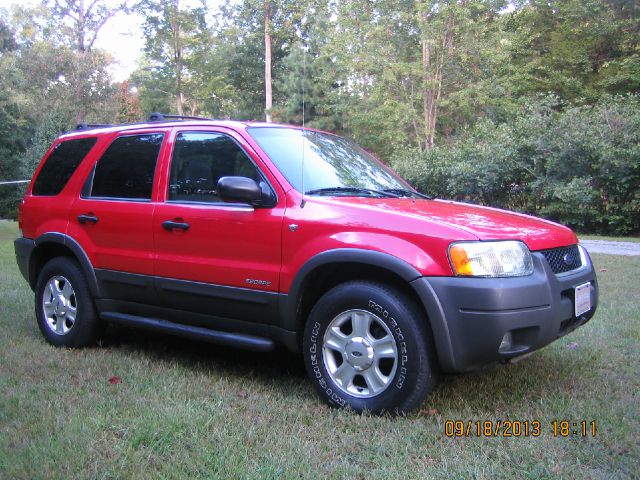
(563, 259)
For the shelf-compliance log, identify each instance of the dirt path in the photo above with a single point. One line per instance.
(611, 248)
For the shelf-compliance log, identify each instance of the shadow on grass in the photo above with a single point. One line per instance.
(202, 356)
(495, 389)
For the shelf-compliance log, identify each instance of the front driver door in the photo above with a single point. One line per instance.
(215, 258)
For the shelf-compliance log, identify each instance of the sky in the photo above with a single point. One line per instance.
(121, 37)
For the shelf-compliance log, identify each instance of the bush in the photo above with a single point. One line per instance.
(579, 165)
(24, 163)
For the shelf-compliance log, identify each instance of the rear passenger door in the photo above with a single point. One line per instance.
(112, 217)
(224, 256)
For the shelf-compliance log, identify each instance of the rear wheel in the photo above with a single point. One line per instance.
(64, 307)
(368, 347)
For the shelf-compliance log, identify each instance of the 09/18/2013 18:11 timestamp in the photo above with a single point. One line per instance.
(520, 428)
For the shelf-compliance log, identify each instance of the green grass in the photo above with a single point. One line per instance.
(191, 410)
(586, 236)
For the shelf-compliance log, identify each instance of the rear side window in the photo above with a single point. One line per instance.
(60, 165)
(127, 167)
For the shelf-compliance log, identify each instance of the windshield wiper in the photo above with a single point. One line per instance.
(401, 192)
(352, 190)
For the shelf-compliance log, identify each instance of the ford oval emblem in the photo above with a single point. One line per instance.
(568, 259)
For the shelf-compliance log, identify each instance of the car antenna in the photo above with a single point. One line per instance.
(304, 77)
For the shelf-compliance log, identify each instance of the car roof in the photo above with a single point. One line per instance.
(84, 129)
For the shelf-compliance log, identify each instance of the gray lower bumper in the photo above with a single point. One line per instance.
(24, 247)
(470, 316)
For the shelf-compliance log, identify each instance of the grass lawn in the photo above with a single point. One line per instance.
(191, 410)
(586, 236)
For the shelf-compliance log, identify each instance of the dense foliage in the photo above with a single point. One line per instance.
(578, 165)
(525, 104)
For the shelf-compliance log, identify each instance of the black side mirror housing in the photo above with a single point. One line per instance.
(240, 189)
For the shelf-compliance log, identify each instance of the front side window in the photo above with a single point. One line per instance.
(127, 167)
(61, 164)
(199, 160)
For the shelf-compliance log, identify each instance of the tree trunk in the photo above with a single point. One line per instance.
(82, 60)
(432, 74)
(178, 58)
(268, 96)
(193, 107)
(427, 95)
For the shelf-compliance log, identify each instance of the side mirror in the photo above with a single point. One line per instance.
(239, 189)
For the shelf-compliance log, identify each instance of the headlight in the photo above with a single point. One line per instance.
(491, 259)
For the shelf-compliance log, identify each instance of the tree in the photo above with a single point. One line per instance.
(39, 73)
(576, 49)
(7, 41)
(79, 23)
(401, 62)
(579, 165)
(174, 35)
(437, 41)
(306, 80)
(260, 34)
(15, 129)
(128, 103)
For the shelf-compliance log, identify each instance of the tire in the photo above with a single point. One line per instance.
(64, 306)
(368, 347)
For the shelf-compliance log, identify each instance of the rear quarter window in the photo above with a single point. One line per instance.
(60, 166)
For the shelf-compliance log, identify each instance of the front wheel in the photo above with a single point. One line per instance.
(368, 347)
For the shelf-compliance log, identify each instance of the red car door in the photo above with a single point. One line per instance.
(214, 257)
(112, 218)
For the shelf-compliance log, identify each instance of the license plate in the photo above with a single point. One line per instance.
(583, 298)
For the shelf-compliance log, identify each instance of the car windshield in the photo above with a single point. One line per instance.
(332, 165)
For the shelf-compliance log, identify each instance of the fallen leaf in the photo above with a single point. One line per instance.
(431, 412)
(602, 270)
(115, 380)
(430, 461)
(572, 346)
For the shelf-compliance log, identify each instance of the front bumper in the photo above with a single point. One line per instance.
(470, 316)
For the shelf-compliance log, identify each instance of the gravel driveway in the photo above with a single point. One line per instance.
(611, 248)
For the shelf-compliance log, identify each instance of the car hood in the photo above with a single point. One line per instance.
(485, 223)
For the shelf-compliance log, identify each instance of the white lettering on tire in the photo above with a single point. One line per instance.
(402, 344)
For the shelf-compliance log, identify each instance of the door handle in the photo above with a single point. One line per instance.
(172, 225)
(87, 218)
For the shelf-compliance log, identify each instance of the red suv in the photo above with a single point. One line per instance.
(256, 235)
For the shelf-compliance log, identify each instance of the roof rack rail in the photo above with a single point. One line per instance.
(89, 126)
(161, 117)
